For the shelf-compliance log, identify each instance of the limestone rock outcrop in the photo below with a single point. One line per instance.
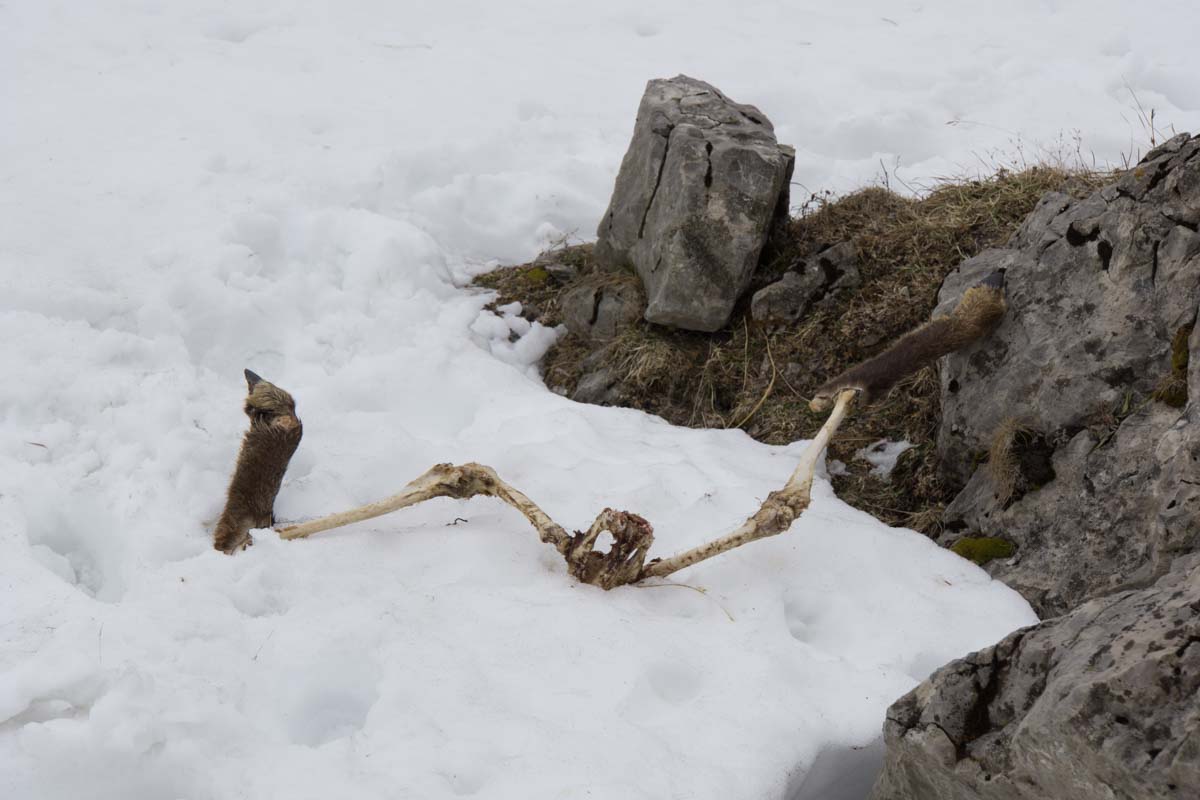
(1058, 423)
(1103, 702)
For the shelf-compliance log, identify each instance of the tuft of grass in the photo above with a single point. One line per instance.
(761, 380)
(983, 549)
(1018, 460)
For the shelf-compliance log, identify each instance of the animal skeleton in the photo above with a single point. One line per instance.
(632, 536)
(980, 310)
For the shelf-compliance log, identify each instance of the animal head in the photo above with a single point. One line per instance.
(266, 402)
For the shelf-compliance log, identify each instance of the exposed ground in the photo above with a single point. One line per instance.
(747, 377)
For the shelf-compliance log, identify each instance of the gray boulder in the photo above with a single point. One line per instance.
(600, 387)
(785, 301)
(599, 384)
(597, 310)
(839, 264)
(1101, 703)
(560, 273)
(694, 201)
(1103, 488)
(806, 284)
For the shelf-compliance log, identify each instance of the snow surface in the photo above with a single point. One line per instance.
(883, 455)
(301, 187)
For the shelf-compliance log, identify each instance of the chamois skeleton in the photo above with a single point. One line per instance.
(275, 432)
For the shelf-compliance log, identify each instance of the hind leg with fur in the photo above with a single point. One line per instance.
(267, 447)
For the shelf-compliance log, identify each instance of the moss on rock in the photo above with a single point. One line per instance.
(982, 549)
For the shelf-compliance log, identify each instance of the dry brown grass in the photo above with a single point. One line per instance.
(1002, 466)
(761, 381)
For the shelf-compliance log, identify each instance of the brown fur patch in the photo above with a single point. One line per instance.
(977, 314)
(274, 434)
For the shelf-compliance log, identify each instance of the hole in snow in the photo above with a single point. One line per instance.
(840, 772)
(674, 683)
(63, 541)
(329, 714)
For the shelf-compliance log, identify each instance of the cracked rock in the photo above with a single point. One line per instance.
(1099, 292)
(839, 264)
(810, 281)
(694, 201)
(785, 301)
(1101, 703)
(600, 387)
(599, 310)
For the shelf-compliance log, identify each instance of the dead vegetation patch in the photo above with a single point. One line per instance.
(761, 381)
(537, 286)
(1019, 460)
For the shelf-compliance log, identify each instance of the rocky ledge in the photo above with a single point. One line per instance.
(1103, 702)
(1074, 427)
